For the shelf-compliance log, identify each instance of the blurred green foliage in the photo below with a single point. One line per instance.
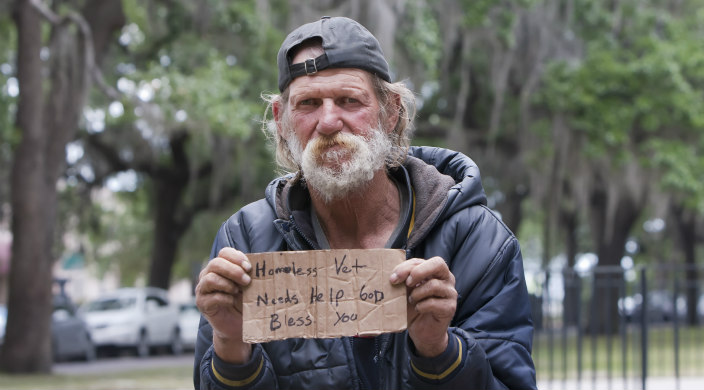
(629, 90)
(637, 93)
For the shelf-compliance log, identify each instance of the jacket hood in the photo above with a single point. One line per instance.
(468, 189)
(444, 182)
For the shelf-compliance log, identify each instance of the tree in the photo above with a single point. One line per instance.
(559, 103)
(189, 119)
(632, 94)
(47, 121)
(7, 104)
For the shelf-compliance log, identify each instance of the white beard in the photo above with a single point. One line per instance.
(332, 178)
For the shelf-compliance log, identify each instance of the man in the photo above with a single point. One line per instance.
(343, 129)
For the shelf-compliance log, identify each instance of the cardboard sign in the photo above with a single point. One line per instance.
(322, 294)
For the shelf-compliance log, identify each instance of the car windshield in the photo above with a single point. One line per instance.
(111, 304)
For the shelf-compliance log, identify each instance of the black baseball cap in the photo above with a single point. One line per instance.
(346, 43)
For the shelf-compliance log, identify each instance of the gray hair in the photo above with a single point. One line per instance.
(385, 92)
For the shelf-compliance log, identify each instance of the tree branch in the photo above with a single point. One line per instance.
(84, 28)
(89, 56)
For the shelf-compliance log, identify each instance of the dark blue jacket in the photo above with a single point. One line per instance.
(491, 332)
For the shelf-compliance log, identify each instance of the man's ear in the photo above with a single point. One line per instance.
(394, 111)
(277, 111)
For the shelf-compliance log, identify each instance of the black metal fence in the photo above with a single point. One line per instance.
(611, 327)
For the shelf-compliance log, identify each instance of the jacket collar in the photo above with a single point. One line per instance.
(442, 182)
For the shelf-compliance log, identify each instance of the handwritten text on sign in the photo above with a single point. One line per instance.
(320, 294)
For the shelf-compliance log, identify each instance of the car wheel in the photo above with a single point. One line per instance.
(176, 345)
(143, 345)
(91, 351)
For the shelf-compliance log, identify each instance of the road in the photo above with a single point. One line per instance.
(122, 363)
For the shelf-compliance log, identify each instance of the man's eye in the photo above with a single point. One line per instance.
(306, 102)
(349, 100)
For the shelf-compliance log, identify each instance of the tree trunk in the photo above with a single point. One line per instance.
(512, 208)
(47, 123)
(457, 135)
(168, 230)
(611, 232)
(686, 225)
(171, 220)
(569, 222)
(27, 345)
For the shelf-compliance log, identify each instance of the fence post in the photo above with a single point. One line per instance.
(593, 324)
(609, 288)
(580, 328)
(549, 325)
(644, 326)
(568, 283)
(676, 322)
(623, 326)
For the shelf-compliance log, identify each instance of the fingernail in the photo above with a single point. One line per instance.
(410, 299)
(393, 278)
(247, 266)
(409, 281)
(246, 279)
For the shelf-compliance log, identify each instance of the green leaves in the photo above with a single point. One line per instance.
(636, 95)
(209, 98)
(646, 83)
(477, 12)
(420, 36)
(682, 167)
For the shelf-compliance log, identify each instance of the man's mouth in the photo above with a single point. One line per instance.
(332, 148)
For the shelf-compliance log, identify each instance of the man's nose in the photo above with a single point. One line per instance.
(329, 121)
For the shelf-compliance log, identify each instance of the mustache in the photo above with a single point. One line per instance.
(324, 142)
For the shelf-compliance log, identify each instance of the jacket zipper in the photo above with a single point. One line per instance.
(298, 230)
(355, 375)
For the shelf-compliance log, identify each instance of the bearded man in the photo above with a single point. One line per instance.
(342, 129)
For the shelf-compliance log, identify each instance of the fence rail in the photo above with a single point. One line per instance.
(620, 328)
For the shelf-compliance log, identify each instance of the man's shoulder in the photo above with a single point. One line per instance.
(257, 211)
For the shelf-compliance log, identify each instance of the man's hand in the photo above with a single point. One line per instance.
(432, 301)
(219, 299)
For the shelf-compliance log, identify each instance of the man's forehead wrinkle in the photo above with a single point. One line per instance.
(315, 91)
(353, 82)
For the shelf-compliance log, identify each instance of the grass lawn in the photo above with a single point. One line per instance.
(166, 378)
(558, 356)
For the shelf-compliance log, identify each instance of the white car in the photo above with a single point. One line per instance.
(70, 338)
(137, 318)
(188, 322)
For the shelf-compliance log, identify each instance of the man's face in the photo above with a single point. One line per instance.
(332, 128)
